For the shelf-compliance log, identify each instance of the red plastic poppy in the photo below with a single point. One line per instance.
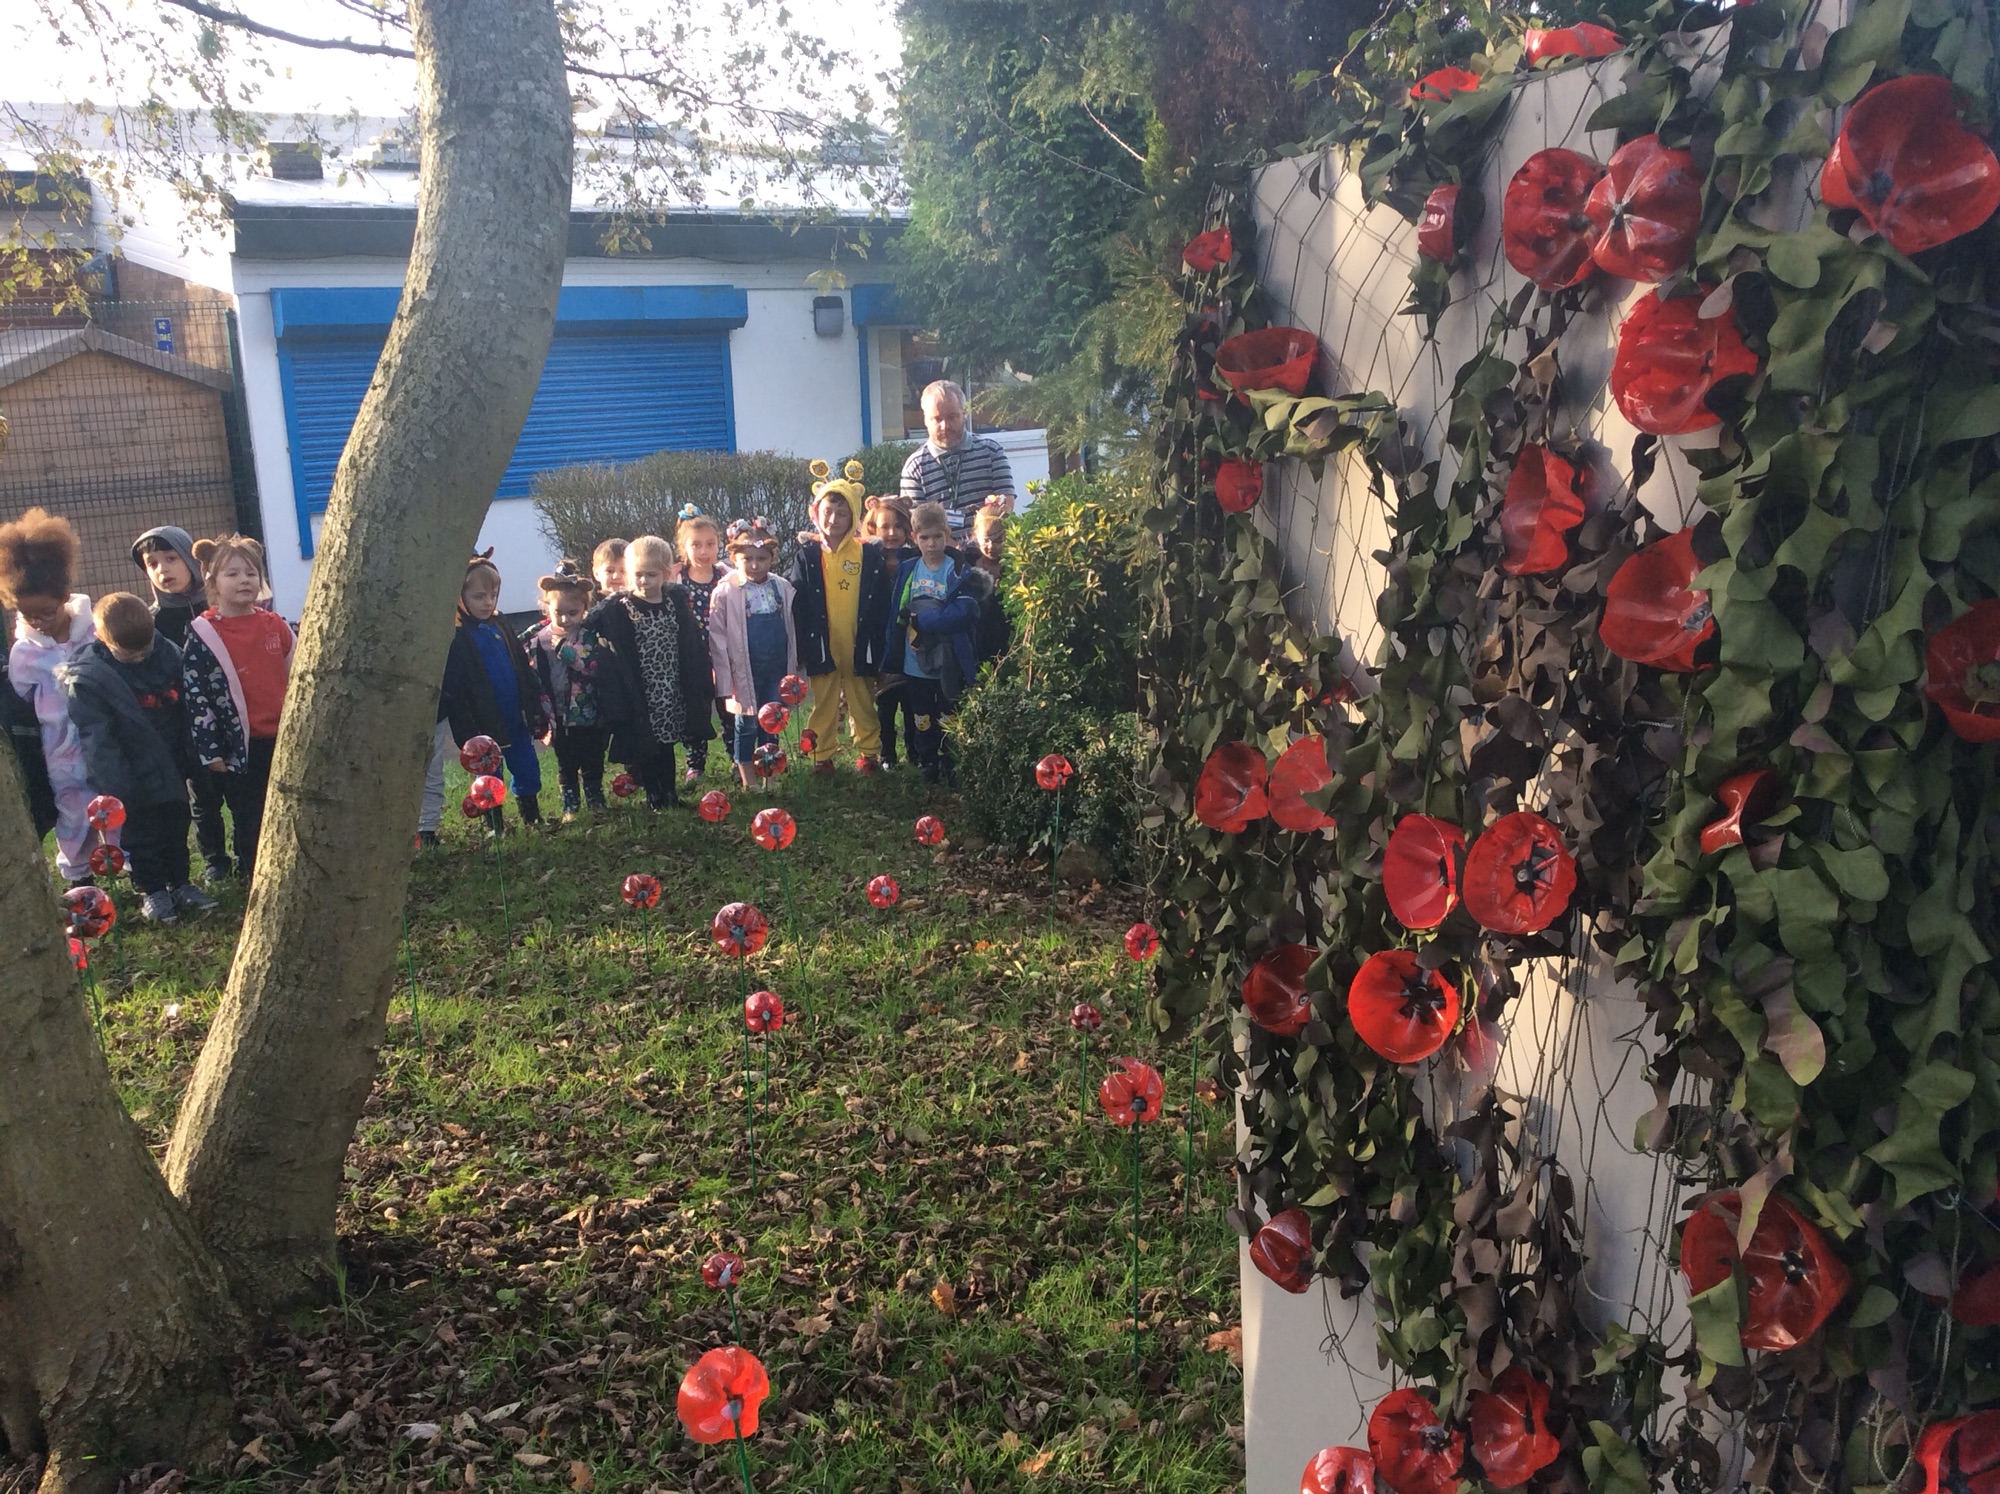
(720, 1395)
(1085, 1018)
(1669, 358)
(1746, 797)
(768, 760)
(1645, 212)
(739, 929)
(1961, 1455)
(1510, 1428)
(1272, 358)
(624, 785)
(106, 861)
(1437, 226)
(763, 1011)
(488, 792)
(79, 953)
(773, 717)
(1131, 1093)
(1795, 1280)
(1976, 1303)
(1230, 794)
(1444, 85)
(1142, 941)
(470, 807)
(1543, 227)
(1652, 613)
(883, 891)
(714, 806)
(1414, 1452)
(1238, 485)
(1541, 507)
(1053, 771)
(90, 911)
(1518, 875)
(929, 830)
(1301, 769)
(773, 829)
(1339, 1470)
(1420, 870)
(1962, 672)
(1274, 992)
(792, 689)
(1283, 1250)
(105, 812)
(642, 890)
(1205, 251)
(481, 755)
(1585, 39)
(722, 1270)
(808, 741)
(1401, 1010)
(1915, 173)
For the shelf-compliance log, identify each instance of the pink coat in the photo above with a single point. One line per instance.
(729, 642)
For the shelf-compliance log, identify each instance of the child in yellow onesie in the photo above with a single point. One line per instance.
(840, 611)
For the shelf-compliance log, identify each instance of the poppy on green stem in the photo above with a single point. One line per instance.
(642, 890)
(739, 930)
(1131, 1094)
(720, 1394)
(105, 812)
(714, 806)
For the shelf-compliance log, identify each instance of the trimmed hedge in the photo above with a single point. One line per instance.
(583, 505)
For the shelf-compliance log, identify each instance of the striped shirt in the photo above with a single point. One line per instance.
(960, 479)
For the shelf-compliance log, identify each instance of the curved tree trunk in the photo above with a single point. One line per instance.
(113, 1316)
(258, 1151)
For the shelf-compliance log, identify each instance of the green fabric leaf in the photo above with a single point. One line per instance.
(1717, 1316)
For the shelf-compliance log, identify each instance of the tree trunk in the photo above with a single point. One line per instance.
(257, 1155)
(113, 1316)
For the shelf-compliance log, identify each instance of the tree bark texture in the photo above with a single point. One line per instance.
(114, 1318)
(258, 1152)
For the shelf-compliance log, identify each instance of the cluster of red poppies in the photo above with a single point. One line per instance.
(722, 1391)
(1516, 879)
(1239, 787)
(1412, 1451)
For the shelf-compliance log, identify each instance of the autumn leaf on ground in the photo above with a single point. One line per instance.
(580, 1476)
(1034, 1466)
(945, 1299)
(1229, 1341)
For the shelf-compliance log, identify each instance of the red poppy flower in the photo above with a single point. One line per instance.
(1917, 175)
(470, 807)
(1274, 992)
(722, 1270)
(1652, 613)
(1795, 1280)
(90, 911)
(883, 891)
(642, 890)
(1301, 769)
(930, 830)
(1437, 227)
(481, 755)
(79, 953)
(792, 689)
(1645, 211)
(105, 812)
(1085, 1018)
(739, 929)
(1961, 1455)
(1747, 796)
(1585, 39)
(1205, 251)
(1420, 870)
(1142, 941)
(1053, 771)
(773, 828)
(488, 792)
(1401, 1010)
(1273, 358)
(624, 785)
(1543, 227)
(1230, 794)
(1414, 1452)
(1518, 875)
(720, 1395)
(773, 717)
(1976, 1303)
(1339, 1470)
(1443, 85)
(1962, 672)
(1541, 507)
(1283, 1250)
(106, 861)
(714, 806)
(1510, 1428)
(1131, 1093)
(1669, 358)
(808, 741)
(763, 1011)
(1238, 485)
(768, 760)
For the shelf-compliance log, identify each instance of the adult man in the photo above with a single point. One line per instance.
(954, 467)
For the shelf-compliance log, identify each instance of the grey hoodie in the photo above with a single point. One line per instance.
(171, 613)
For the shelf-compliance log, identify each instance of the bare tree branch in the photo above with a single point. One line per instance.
(1116, 138)
(241, 22)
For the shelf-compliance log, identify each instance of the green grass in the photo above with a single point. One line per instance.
(938, 1243)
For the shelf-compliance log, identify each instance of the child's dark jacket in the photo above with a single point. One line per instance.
(808, 578)
(467, 700)
(955, 619)
(24, 730)
(133, 721)
(621, 687)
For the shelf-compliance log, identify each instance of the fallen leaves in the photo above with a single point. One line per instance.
(1229, 1341)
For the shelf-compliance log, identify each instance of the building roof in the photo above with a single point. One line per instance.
(26, 351)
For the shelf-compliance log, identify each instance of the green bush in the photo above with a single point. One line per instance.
(1073, 589)
(583, 505)
(882, 466)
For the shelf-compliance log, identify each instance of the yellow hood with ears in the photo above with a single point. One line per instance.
(847, 486)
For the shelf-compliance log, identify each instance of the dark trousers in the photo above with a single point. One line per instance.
(580, 762)
(244, 794)
(924, 701)
(656, 777)
(894, 700)
(155, 840)
(205, 795)
(698, 751)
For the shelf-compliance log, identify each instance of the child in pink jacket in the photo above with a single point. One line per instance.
(751, 640)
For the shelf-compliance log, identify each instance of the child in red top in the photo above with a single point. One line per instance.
(238, 662)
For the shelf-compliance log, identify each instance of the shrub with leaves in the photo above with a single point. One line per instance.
(583, 505)
(882, 465)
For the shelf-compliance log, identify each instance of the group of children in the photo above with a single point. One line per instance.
(170, 706)
(663, 642)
